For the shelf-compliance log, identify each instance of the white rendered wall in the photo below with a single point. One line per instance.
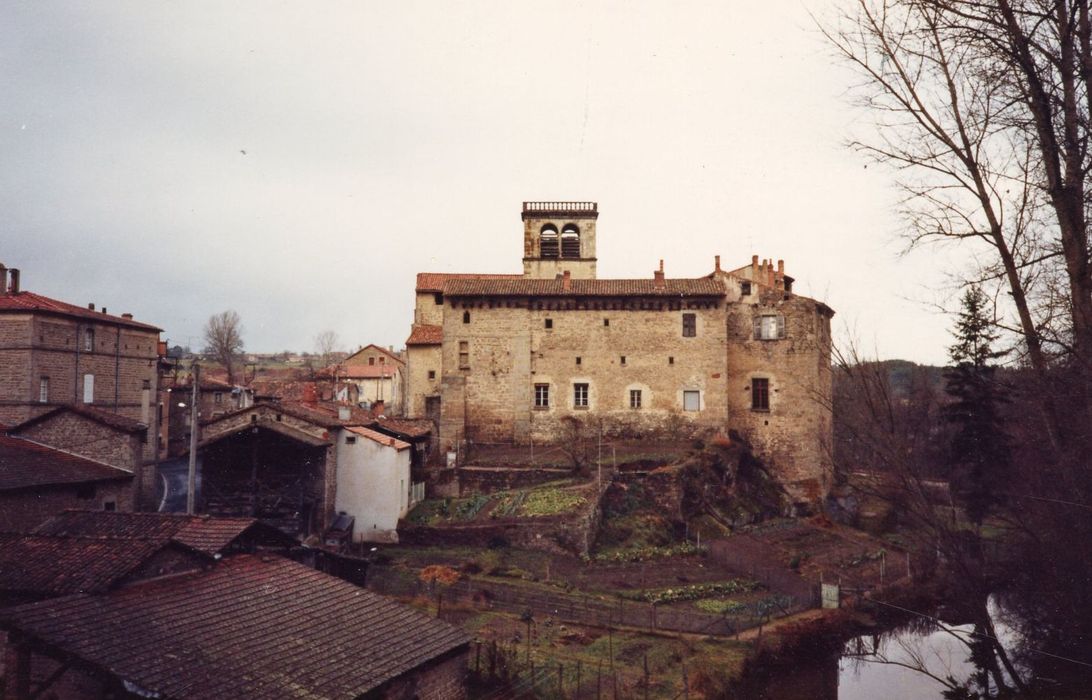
(373, 483)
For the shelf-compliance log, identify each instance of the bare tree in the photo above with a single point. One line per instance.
(224, 339)
(326, 345)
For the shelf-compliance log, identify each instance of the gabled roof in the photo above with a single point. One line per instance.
(388, 353)
(702, 286)
(434, 281)
(376, 436)
(111, 420)
(409, 428)
(23, 302)
(25, 465)
(423, 334)
(44, 565)
(201, 533)
(367, 371)
(249, 627)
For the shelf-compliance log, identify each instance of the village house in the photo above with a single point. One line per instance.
(55, 353)
(215, 398)
(377, 374)
(512, 359)
(151, 605)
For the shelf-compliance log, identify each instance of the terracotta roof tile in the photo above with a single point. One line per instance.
(403, 426)
(113, 420)
(423, 334)
(366, 371)
(582, 288)
(41, 565)
(25, 464)
(434, 281)
(29, 301)
(382, 439)
(249, 627)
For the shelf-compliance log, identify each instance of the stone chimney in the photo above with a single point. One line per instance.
(14, 274)
(566, 281)
(658, 277)
(779, 278)
(90, 306)
(716, 267)
(754, 268)
(3, 280)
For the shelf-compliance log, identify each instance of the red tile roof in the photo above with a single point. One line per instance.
(198, 532)
(388, 353)
(22, 302)
(404, 426)
(247, 628)
(423, 334)
(112, 420)
(25, 464)
(40, 565)
(583, 288)
(434, 281)
(385, 440)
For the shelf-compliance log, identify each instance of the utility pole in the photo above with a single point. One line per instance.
(191, 480)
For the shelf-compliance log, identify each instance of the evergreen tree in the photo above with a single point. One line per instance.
(979, 449)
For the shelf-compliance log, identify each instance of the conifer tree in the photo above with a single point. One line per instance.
(979, 449)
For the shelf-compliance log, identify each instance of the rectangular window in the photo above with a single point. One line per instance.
(350, 439)
(606, 322)
(88, 388)
(466, 317)
(371, 361)
(622, 359)
(580, 395)
(769, 327)
(745, 288)
(110, 506)
(760, 394)
(670, 360)
(89, 340)
(549, 323)
(691, 400)
(542, 395)
(218, 397)
(438, 298)
(578, 361)
(464, 354)
(689, 325)
(43, 390)
(382, 360)
(432, 374)
(634, 398)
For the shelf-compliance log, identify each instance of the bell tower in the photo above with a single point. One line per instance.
(559, 237)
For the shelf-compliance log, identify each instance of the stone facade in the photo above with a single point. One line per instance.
(513, 359)
(53, 353)
(22, 511)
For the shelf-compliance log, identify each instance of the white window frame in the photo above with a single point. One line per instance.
(694, 394)
(581, 391)
(769, 327)
(542, 396)
(635, 398)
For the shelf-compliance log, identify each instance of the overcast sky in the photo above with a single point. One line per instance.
(300, 162)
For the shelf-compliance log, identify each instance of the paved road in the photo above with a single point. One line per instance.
(173, 477)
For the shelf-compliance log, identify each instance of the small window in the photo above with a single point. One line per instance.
(670, 360)
(382, 360)
(464, 354)
(218, 397)
(110, 506)
(634, 398)
(691, 400)
(760, 394)
(689, 325)
(769, 327)
(745, 288)
(622, 359)
(89, 340)
(89, 388)
(549, 323)
(438, 298)
(542, 395)
(432, 374)
(146, 385)
(350, 439)
(371, 361)
(43, 390)
(578, 361)
(278, 418)
(580, 395)
(606, 323)
(466, 317)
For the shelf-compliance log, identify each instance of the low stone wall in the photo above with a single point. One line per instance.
(487, 480)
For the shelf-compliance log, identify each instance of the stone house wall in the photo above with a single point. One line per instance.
(439, 679)
(422, 359)
(21, 511)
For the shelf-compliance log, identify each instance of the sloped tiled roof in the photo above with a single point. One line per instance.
(45, 565)
(366, 371)
(434, 281)
(22, 302)
(404, 426)
(25, 464)
(198, 532)
(423, 334)
(350, 361)
(583, 288)
(112, 420)
(382, 439)
(247, 628)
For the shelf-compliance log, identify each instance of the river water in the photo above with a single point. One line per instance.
(912, 662)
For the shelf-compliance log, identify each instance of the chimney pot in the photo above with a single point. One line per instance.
(14, 273)
(661, 264)
(91, 306)
(781, 267)
(104, 309)
(717, 259)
